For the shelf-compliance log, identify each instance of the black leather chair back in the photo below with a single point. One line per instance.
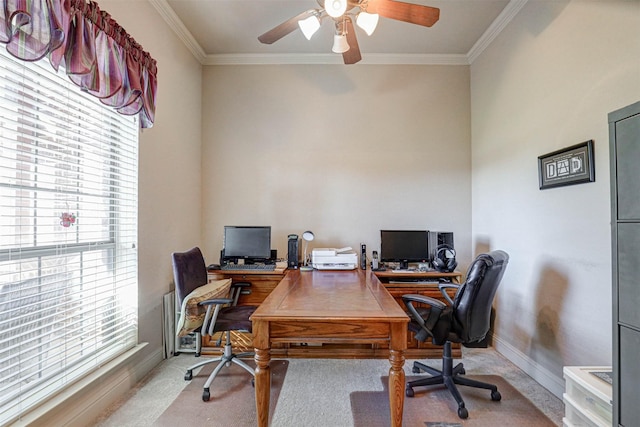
(472, 302)
(189, 272)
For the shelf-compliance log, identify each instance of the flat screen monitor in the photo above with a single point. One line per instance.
(250, 243)
(404, 246)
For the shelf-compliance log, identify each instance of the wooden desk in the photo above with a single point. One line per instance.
(454, 276)
(392, 280)
(263, 282)
(330, 306)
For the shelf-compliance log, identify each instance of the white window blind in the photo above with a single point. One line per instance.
(68, 229)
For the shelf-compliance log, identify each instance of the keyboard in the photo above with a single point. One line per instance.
(415, 281)
(263, 267)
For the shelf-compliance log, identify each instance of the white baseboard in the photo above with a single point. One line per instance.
(82, 403)
(543, 376)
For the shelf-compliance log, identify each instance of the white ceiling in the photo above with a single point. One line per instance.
(226, 32)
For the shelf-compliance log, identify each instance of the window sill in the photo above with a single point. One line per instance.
(83, 401)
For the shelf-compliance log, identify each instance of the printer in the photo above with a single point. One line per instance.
(334, 259)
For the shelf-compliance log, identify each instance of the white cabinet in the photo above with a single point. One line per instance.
(587, 397)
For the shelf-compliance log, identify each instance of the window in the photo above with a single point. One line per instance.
(68, 229)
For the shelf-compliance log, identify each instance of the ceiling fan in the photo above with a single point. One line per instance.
(343, 13)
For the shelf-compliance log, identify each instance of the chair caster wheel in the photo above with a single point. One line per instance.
(462, 371)
(463, 413)
(205, 395)
(408, 392)
(188, 376)
(253, 382)
(495, 395)
(415, 370)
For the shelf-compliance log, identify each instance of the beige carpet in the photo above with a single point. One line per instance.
(232, 401)
(435, 407)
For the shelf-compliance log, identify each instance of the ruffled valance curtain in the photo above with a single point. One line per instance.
(98, 54)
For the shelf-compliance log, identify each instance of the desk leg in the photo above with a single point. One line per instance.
(263, 371)
(396, 373)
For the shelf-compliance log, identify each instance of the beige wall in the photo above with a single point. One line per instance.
(342, 151)
(169, 175)
(547, 82)
(347, 151)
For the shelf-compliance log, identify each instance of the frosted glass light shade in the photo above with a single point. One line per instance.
(340, 44)
(309, 26)
(367, 21)
(335, 8)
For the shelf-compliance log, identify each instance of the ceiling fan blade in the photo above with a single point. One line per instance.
(353, 54)
(407, 12)
(288, 26)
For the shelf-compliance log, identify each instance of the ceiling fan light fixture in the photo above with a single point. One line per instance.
(340, 44)
(367, 21)
(335, 8)
(309, 26)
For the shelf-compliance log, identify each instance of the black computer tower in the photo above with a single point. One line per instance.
(437, 238)
(293, 251)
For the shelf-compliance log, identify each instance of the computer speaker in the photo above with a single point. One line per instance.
(293, 251)
(363, 256)
(437, 238)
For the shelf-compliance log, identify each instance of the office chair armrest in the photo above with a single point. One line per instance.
(443, 290)
(221, 301)
(434, 313)
(241, 285)
(423, 299)
(237, 289)
(210, 317)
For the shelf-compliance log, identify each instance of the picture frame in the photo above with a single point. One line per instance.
(568, 166)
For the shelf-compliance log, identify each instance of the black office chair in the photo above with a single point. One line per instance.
(222, 314)
(465, 320)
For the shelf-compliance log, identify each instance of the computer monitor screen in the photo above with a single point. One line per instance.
(404, 246)
(247, 242)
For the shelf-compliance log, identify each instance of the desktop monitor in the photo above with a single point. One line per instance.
(250, 243)
(404, 246)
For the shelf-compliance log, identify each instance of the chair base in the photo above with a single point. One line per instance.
(450, 376)
(226, 359)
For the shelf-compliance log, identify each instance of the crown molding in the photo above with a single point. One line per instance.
(190, 42)
(178, 27)
(336, 59)
(495, 28)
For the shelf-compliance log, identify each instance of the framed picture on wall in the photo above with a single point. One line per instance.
(571, 165)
